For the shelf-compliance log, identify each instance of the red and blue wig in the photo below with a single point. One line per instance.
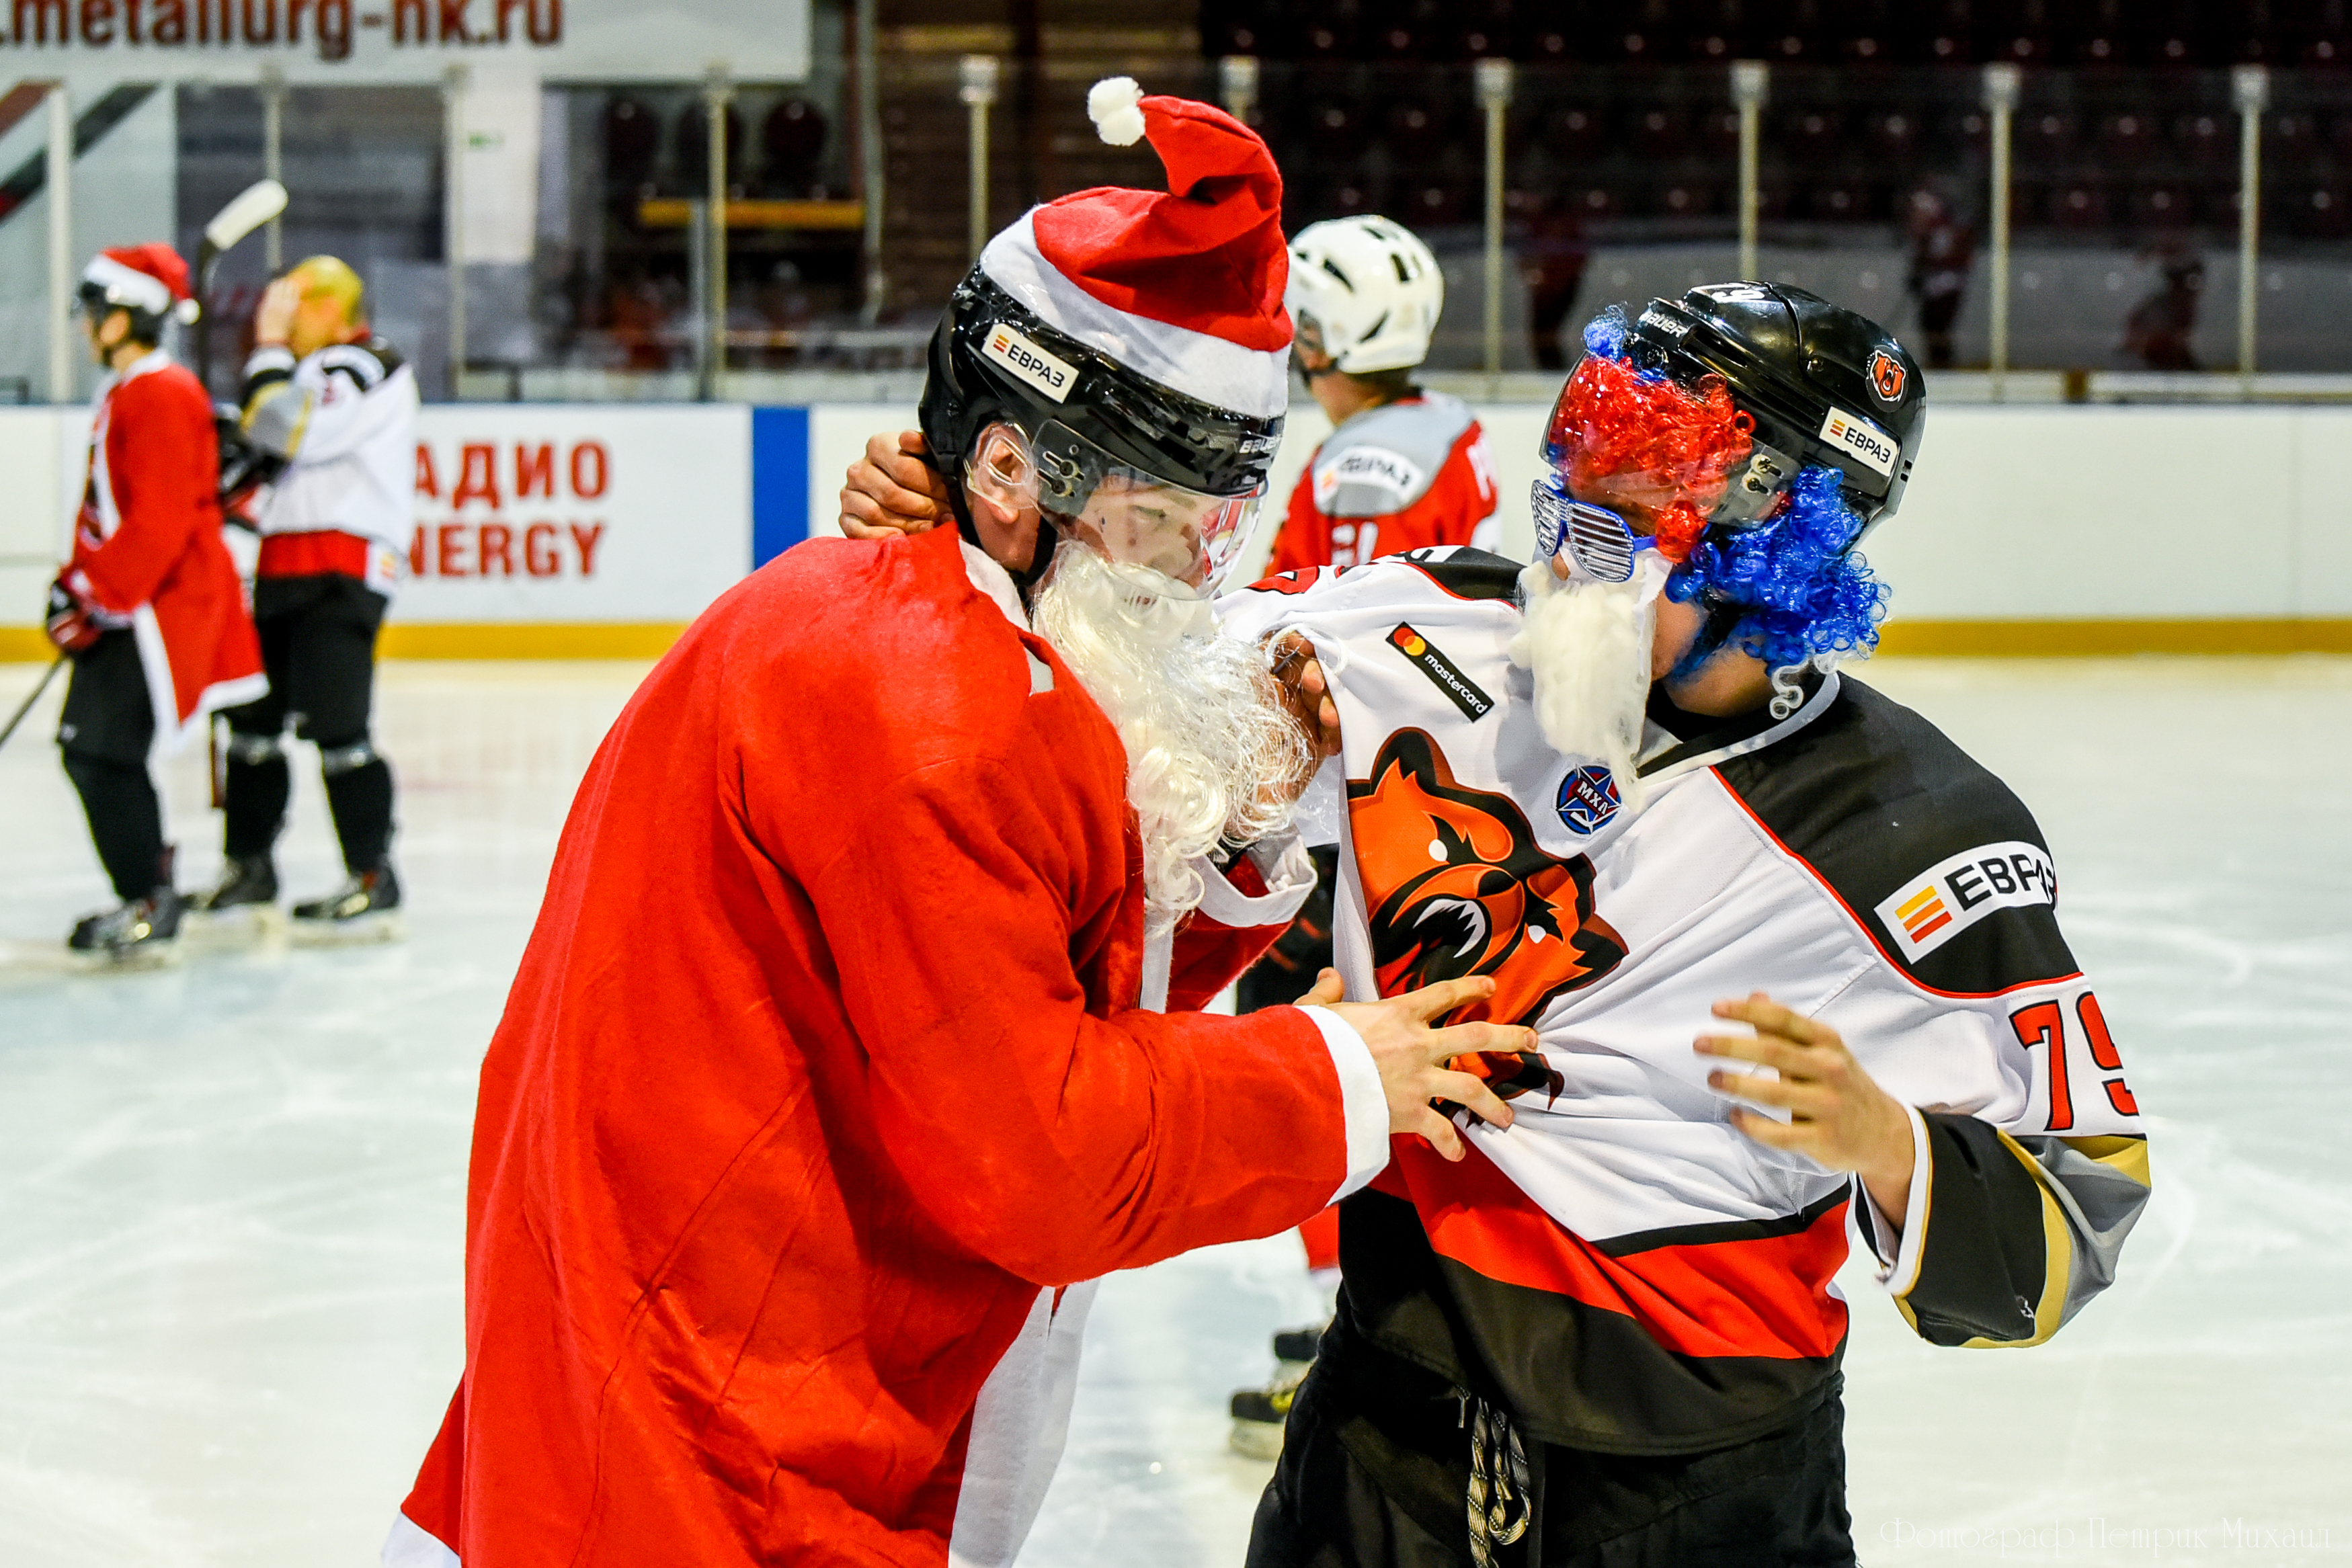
(1785, 589)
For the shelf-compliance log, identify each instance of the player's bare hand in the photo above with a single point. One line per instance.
(273, 320)
(1328, 988)
(892, 491)
(1838, 1116)
(1412, 1057)
(1305, 690)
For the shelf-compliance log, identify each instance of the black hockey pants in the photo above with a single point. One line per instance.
(104, 735)
(318, 645)
(1375, 1473)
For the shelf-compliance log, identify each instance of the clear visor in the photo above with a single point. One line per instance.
(1140, 519)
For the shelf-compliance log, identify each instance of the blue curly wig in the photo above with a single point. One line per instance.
(1803, 595)
(1605, 334)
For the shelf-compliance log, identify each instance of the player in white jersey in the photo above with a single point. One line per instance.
(1628, 783)
(330, 409)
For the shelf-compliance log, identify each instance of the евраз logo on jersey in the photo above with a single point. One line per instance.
(1444, 674)
(1948, 897)
(1587, 799)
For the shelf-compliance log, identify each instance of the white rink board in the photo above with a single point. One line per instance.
(2058, 514)
(577, 512)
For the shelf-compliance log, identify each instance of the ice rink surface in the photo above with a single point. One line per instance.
(231, 1192)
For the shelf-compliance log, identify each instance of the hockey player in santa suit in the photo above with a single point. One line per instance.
(332, 408)
(1628, 783)
(836, 1066)
(149, 608)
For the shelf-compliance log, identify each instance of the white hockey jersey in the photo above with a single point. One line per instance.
(343, 420)
(1622, 1269)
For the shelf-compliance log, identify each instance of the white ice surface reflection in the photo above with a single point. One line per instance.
(231, 1194)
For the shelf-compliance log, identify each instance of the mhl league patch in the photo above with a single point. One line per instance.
(1049, 375)
(1464, 692)
(1952, 896)
(1851, 433)
(1587, 799)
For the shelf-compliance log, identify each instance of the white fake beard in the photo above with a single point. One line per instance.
(1199, 713)
(1589, 644)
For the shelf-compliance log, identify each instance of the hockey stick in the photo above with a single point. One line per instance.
(51, 674)
(252, 207)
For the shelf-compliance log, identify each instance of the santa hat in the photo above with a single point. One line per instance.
(1183, 285)
(149, 277)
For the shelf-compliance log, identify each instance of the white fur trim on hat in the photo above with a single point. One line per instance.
(128, 285)
(1113, 104)
(1247, 380)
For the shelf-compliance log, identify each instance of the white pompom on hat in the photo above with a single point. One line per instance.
(1115, 105)
(1183, 285)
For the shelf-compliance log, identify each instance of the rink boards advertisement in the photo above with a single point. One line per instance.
(601, 529)
(576, 514)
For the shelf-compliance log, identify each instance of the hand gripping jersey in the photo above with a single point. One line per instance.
(1405, 476)
(1622, 1269)
(148, 548)
(345, 419)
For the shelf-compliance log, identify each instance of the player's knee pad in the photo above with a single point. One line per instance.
(255, 749)
(346, 758)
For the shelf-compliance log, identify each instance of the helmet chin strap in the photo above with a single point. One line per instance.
(1041, 557)
(1723, 618)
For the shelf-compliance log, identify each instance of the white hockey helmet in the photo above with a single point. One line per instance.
(1371, 290)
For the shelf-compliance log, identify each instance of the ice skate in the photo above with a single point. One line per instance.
(1259, 1413)
(366, 908)
(143, 933)
(243, 901)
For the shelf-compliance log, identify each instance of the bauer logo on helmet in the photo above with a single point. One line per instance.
(1016, 352)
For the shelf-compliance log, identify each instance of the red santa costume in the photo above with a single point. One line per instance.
(147, 542)
(831, 1075)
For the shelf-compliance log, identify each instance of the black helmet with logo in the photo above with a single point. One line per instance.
(1083, 413)
(1824, 385)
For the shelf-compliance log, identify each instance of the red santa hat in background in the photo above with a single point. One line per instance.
(149, 277)
(1183, 285)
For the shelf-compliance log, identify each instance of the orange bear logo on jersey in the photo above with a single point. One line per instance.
(1457, 885)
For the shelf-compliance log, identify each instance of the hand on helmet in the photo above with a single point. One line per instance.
(891, 491)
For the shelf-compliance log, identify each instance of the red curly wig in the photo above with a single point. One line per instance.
(1659, 452)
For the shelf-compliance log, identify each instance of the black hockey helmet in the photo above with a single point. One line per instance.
(1824, 385)
(1085, 414)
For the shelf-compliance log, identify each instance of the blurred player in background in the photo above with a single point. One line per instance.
(332, 408)
(1403, 469)
(842, 1060)
(149, 608)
